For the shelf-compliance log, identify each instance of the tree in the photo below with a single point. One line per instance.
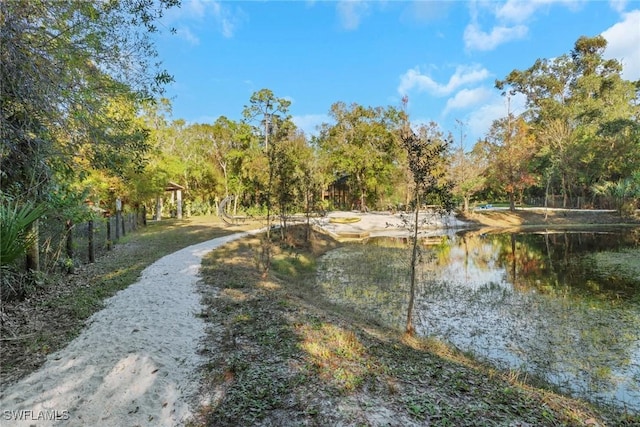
(363, 144)
(15, 220)
(62, 63)
(624, 192)
(291, 159)
(512, 149)
(466, 172)
(270, 110)
(275, 124)
(584, 116)
(427, 163)
(63, 66)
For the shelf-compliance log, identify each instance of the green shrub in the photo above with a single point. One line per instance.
(15, 220)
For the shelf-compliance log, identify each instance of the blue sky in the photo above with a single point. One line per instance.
(444, 55)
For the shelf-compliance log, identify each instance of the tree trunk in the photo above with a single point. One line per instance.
(69, 246)
(158, 208)
(226, 179)
(235, 205)
(33, 251)
(564, 192)
(92, 247)
(410, 329)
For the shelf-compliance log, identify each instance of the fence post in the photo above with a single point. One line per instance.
(108, 233)
(92, 250)
(117, 226)
(118, 217)
(69, 248)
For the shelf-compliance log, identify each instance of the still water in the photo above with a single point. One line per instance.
(561, 305)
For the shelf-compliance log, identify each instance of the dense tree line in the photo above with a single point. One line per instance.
(577, 141)
(79, 124)
(73, 76)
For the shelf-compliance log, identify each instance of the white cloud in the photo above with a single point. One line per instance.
(351, 12)
(511, 18)
(190, 9)
(517, 10)
(309, 122)
(463, 75)
(226, 19)
(522, 10)
(623, 40)
(480, 120)
(618, 5)
(467, 98)
(426, 11)
(186, 34)
(476, 39)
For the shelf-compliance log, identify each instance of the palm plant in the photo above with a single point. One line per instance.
(15, 220)
(622, 191)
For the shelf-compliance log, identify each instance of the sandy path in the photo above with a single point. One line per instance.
(385, 223)
(135, 362)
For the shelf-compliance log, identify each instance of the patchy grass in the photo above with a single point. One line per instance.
(624, 263)
(280, 354)
(536, 217)
(56, 311)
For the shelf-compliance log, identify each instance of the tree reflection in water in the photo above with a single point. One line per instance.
(536, 301)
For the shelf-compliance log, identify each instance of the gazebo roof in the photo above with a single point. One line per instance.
(172, 186)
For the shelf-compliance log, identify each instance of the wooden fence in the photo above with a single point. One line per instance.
(65, 245)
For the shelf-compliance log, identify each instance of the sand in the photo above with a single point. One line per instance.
(134, 364)
(385, 223)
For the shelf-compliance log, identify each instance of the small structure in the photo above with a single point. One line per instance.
(176, 197)
(338, 192)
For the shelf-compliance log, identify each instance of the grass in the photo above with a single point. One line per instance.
(281, 354)
(55, 313)
(158, 239)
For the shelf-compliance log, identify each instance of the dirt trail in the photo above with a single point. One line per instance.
(135, 362)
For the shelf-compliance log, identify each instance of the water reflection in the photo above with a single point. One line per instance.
(546, 302)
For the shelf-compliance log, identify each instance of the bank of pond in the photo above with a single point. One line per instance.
(560, 305)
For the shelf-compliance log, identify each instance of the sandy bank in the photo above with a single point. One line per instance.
(134, 364)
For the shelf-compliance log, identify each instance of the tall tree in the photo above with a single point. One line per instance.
(62, 66)
(62, 62)
(512, 149)
(466, 171)
(362, 144)
(585, 117)
(427, 163)
(272, 113)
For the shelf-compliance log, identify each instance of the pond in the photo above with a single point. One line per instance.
(563, 306)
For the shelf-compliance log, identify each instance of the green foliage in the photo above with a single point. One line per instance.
(69, 97)
(625, 192)
(363, 145)
(15, 220)
(584, 117)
